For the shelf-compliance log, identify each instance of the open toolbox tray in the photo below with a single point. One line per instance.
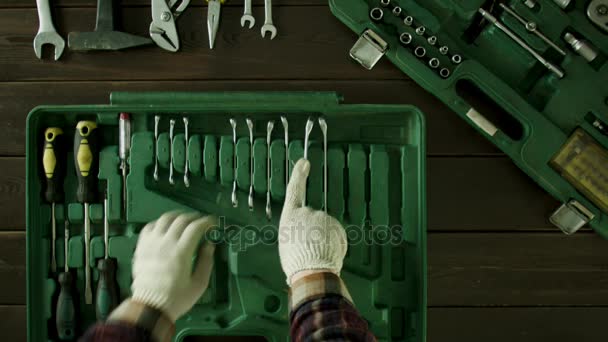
(376, 175)
(555, 129)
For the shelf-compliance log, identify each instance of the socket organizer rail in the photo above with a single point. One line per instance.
(372, 181)
(529, 75)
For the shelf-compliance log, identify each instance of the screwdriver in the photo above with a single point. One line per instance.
(65, 317)
(124, 147)
(107, 292)
(53, 161)
(87, 165)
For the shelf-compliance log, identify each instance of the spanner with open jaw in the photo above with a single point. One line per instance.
(247, 15)
(46, 31)
(268, 25)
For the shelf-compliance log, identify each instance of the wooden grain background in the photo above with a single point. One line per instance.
(498, 270)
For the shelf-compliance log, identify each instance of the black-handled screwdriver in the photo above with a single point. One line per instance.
(65, 316)
(53, 163)
(87, 167)
(107, 290)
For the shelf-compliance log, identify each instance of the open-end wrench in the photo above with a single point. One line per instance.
(309, 125)
(269, 129)
(235, 201)
(323, 125)
(171, 136)
(46, 31)
(268, 25)
(156, 121)
(250, 126)
(247, 15)
(286, 130)
(187, 163)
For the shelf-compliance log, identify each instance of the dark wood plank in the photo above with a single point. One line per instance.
(447, 133)
(464, 194)
(517, 324)
(12, 194)
(300, 51)
(13, 323)
(12, 268)
(465, 269)
(517, 269)
(193, 3)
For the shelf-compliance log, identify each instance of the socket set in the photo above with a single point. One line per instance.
(528, 75)
(228, 155)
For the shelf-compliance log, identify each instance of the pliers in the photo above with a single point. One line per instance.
(162, 29)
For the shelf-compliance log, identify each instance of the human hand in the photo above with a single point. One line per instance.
(163, 275)
(309, 240)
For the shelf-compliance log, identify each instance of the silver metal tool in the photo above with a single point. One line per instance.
(434, 63)
(408, 21)
(397, 11)
(443, 50)
(156, 122)
(88, 292)
(456, 59)
(268, 26)
(162, 28)
(250, 127)
(53, 239)
(124, 148)
(309, 125)
(46, 31)
(385, 3)
(420, 52)
(323, 125)
(581, 47)
(444, 72)
(531, 27)
(214, 8)
(557, 71)
(247, 15)
(187, 157)
(432, 40)
(235, 201)
(597, 12)
(405, 38)
(563, 4)
(286, 130)
(420, 30)
(106, 227)
(376, 14)
(269, 129)
(171, 136)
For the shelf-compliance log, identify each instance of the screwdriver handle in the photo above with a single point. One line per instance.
(53, 163)
(65, 317)
(86, 161)
(107, 290)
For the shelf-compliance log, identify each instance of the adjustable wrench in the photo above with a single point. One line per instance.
(268, 25)
(247, 15)
(46, 31)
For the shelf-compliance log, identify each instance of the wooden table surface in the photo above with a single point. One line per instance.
(498, 270)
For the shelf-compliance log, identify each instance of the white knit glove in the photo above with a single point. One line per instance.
(163, 273)
(308, 239)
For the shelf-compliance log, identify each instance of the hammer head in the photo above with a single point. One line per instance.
(105, 40)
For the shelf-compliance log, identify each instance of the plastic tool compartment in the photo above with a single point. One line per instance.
(376, 166)
(503, 91)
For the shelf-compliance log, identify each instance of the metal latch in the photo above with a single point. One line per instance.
(571, 217)
(368, 49)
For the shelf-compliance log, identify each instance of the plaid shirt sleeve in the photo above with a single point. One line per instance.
(132, 322)
(322, 309)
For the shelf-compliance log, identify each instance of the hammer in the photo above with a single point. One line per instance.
(105, 37)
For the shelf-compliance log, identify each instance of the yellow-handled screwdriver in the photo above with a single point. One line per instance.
(87, 167)
(53, 163)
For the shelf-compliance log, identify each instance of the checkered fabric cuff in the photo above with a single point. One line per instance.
(316, 286)
(154, 321)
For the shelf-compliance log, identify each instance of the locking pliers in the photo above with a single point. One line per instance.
(162, 29)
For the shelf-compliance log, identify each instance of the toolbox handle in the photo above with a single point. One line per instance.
(181, 99)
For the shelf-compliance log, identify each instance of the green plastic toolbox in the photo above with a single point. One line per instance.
(376, 188)
(529, 75)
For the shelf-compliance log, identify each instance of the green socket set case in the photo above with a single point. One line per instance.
(529, 75)
(376, 188)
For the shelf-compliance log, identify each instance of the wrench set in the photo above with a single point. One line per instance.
(163, 28)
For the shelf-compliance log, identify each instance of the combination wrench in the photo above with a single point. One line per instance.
(46, 31)
(268, 25)
(248, 15)
(269, 129)
(250, 127)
